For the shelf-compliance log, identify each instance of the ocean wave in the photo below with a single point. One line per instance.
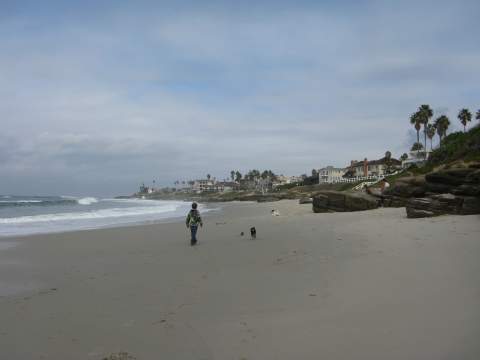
(35, 202)
(21, 201)
(87, 201)
(91, 215)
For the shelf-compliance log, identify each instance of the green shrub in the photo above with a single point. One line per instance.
(457, 146)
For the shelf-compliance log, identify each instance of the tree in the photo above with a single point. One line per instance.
(314, 173)
(417, 146)
(404, 157)
(465, 116)
(431, 133)
(232, 175)
(238, 176)
(416, 122)
(388, 160)
(478, 115)
(425, 113)
(208, 176)
(441, 125)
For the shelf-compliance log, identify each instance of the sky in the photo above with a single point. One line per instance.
(97, 97)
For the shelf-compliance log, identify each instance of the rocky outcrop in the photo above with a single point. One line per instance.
(305, 200)
(333, 201)
(450, 191)
(443, 204)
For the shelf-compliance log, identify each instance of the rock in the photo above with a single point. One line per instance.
(305, 200)
(451, 177)
(413, 213)
(467, 189)
(442, 204)
(474, 177)
(394, 201)
(438, 188)
(320, 204)
(327, 201)
(405, 190)
(360, 202)
(470, 206)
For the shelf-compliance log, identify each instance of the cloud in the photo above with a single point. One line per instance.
(121, 94)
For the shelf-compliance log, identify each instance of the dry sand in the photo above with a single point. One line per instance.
(367, 285)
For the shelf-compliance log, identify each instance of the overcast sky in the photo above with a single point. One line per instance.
(98, 96)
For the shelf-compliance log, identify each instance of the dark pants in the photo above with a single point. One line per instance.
(193, 229)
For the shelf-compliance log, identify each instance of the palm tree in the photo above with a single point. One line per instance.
(415, 121)
(404, 157)
(238, 176)
(431, 133)
(232, 175)
(208, 176)
(441, 125)
(425, 114)
(465, 117)
(388, 160)
(417, 146)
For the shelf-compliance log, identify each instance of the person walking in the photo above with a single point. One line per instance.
(193, 220)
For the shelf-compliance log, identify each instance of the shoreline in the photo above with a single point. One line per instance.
(208, 208)
(331, 285)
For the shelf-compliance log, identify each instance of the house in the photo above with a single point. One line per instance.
(376, 168)
(200, 186)
(283, 180)
(330, 174)
(415, 157)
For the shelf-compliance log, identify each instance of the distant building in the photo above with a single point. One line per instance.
(200, 186)
(330, 174)
(415, 157)
(367, 167)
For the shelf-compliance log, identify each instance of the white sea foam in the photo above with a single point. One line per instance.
(107, 213)
(88, 215)
(20, 201)
(87, 201)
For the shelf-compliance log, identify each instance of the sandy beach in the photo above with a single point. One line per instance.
(365, 285)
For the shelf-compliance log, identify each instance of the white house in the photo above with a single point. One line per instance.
(416, 157)
(330, 174)
(372, 167)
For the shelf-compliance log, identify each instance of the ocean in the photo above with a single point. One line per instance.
(25, 215)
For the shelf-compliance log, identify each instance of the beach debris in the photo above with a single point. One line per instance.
(253, 232)
(241, 234)
(275, 212)
(312, 294)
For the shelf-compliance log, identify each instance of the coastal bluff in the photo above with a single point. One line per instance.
(447, 191)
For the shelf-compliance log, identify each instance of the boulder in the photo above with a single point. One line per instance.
(451, 177)
(394, 201)
(467, 189)
(470, 206)
(413, 213)
(320, 204)
(305, 200)
(441, 204)
(330, 201)
(405, 190)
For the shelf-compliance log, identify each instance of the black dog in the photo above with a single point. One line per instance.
(253, 232)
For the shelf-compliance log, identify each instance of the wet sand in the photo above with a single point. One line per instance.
(366, 285)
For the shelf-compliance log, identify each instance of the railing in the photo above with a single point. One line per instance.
(375, 178)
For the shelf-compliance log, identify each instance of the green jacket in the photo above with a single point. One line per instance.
(193, 218)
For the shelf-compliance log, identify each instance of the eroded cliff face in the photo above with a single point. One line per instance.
(449, 191)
